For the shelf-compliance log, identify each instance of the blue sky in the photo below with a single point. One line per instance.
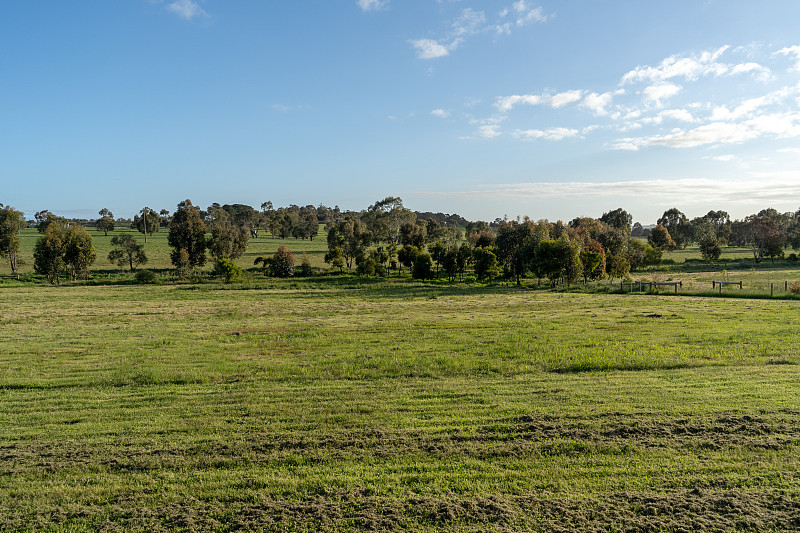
(482, 108)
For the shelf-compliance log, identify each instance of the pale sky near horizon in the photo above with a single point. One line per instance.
(482, 108)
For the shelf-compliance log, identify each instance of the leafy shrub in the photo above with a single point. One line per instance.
(282, 264)
(792, 257)
(422, 268)
(794, 288)
(227, 269)
(305, 269)
(145, 276)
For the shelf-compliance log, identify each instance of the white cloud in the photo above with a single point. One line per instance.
(552, 134)
(430, 49)
(762, 73)
(441, 113)
(661, 91)
(506, 103)
(186, 9)
(778, 125)
(725, 158)
(688, 68)
(488, 131)
(469, 23)
(371, 5)
(472, 22)
(281, 107)
(567, 97)
(792, 50)
(597, 103)
(678, 114)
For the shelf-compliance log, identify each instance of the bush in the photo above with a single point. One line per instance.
(282, 264)
(794, 288)
(145, 276)
(226, 268)
(422, 268)
(305, 269)
(792, 257)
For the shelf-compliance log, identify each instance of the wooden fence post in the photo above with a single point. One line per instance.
(771, 289)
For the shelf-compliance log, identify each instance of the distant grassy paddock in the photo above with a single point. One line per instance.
(340, 405)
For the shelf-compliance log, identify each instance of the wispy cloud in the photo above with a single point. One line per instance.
(471, 22)
(783, 125)
(187, 9)
(371, 5)
(753, 189)
(792, 51)
(688, 68)
(551, 134)
(441, 113)
(430, 49)
(505, 104)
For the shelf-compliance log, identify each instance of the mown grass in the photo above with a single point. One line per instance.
(335, 405)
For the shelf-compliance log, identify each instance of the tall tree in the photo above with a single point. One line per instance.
(148, 223)
(48, 254)
(127, 250)
(619, 219)
(78, 251)
(513, 251)
(227, 239)
(11, 221)
(385, 217)
(106, 221)
(660, 238)
(45, 218)
(677, 225)
(351, 236)
(187, 232)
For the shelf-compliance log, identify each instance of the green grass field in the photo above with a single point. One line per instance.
(337, 404)
(158, 250)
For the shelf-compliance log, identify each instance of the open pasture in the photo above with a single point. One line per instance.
(336, 404)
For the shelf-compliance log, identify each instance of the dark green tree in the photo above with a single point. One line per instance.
(106, 221)
(485, 263)
(282, 264)
(148, 223)
(127, 251)
(48, 253)
(79, 253)
(678, 226)
(350, 235)
(187, 232)
(422, 268)
(11, 221)
(227, 239)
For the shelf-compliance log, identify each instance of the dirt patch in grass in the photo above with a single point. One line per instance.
(685, 510)
(361, 510)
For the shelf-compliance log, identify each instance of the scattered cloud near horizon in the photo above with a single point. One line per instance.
(759, 189)
(682, 102)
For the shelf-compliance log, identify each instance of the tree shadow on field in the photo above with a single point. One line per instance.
(391, 288)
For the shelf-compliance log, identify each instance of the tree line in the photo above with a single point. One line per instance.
(388, 237)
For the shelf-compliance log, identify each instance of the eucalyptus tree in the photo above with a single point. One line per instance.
(106, 221)
(187, 233)
(11, 221)
(127, 251)
(148, 223)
